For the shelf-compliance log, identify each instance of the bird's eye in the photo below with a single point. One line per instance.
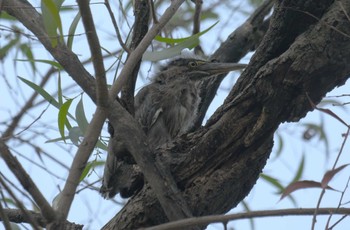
(192, 64)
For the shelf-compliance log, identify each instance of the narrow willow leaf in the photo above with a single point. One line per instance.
(52, 20)
(328, 176)
(75, 134)
(302, 185)
(89, 166)
(72, 29)
(59, 90)
(300, 170)
(85, 171)
(4, 49)
(27, 51)
(58, 139)
(101, 145)
(181, 44)
(179, 40)
(52, 63)
(42, 92)
(62, 117)
(272, 181)
(80, 116)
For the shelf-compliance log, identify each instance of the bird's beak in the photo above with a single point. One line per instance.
(220, 68)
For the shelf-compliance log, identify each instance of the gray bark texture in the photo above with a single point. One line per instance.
(304, 54)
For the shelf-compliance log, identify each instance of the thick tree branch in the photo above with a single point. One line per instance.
(121, 42)
(244, 39)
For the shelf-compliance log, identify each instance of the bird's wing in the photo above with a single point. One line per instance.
(149, 112)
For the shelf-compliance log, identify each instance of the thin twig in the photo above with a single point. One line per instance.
(27, 183)
(119, 37)
(4, 217)
(339, 204)
(153, 12)
(197, 24)
(15, 120)
(324, 190)
(25, 212)
(205, 220)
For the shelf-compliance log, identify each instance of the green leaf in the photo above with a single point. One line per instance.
(4, 50)
(52, 63)
(52, 20)
(62, 117)
(181, 44)
(26, 50)
(172, 41)
(80, 116)
(58, 139)
(72, 29)
(86, 171)
(272, 181)
(59, 90)
(45, 95)
(42, 92)
(300, 170)
(89, 166)
(280, 145)
(101, 145)
(75, 134)
(6, 16)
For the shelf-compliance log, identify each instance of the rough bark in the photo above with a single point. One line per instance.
(304, 55)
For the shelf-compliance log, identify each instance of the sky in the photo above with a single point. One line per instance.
(93, 211)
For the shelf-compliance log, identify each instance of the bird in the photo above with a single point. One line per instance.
(165, 109)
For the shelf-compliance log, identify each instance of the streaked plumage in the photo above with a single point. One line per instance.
(165, 109)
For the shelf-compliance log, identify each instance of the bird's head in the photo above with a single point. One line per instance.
(194, 69)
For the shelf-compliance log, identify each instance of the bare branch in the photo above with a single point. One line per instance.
(197, 23)
(4, 218)
(96, 54)
(121, 42)
(153, 11)
(205, 220)
(25, 212)
(16, 119)
(27, 183)
(79, 162)
(17, 216)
